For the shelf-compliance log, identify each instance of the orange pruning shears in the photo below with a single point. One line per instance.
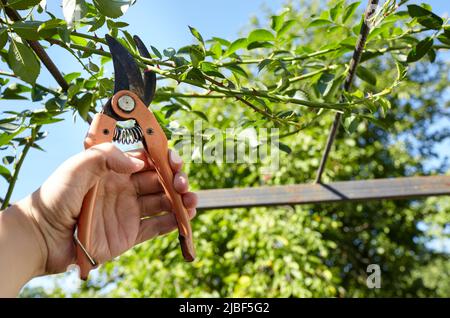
(132, 95)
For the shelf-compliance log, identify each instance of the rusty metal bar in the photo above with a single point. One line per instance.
(343, 191)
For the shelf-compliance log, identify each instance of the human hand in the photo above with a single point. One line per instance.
(128, 191)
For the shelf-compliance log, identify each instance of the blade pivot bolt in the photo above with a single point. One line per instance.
(126, 103)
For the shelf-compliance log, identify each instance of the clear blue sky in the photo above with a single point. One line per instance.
(162, 24)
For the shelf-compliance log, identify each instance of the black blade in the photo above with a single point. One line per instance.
(149, 76)
(126, 72)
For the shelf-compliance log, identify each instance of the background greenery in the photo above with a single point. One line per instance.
(287, 67)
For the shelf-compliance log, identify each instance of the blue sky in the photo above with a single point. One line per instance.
(159, 23)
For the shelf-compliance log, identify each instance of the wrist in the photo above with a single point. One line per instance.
(23, 248)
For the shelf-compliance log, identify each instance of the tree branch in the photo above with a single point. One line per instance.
(18, 166)
(38, 49)
(365, 29)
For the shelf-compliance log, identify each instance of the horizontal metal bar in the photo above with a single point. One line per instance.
(376, 189)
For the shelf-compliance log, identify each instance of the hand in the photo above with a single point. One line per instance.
(128, 191)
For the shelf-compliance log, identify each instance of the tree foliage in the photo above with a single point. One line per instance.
(285, 72)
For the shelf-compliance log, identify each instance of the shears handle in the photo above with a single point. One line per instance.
(100, 131)
(156, 145)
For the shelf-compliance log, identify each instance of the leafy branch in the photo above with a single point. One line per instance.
(29, 142)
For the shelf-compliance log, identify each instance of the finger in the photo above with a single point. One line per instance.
(105, 157)
(181, 183)
(141, 154)
(190, 200)
(159, 225)
(154, 204)
(146, 182)
(176, 163)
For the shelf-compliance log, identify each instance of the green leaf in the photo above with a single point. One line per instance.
(336, 11)
(14, 91)
(366, 75)
(216, 50)
(260, 35)
(349, 11)
(447, 32)
(236, 45)
(263, 64)
(113, 8)
(237, 70)
(5, 173)
(210, 69)
(318, 23)
(83, 104)
(285, 148)
(431, 55)
(197, 35)
(55, 104)
(73, 10)
(420, 50)
(156, 52)
(442, 38)
(169, 52)
(22, 61)
(285, 28)
(200, 114)
(325, 83)
(277, 21)
(256, 45)
(44, 117)
(221, 41)
(6, 138)
(72, 76)
(385, 105)
(3, 37)
(7, 160)
(37, 94)
(22, 4)
(350, 123)
(425, 17)
(27, 30)
(196, 54)
(99, 22)
(93, 67)
(48, 28)
(196, 75)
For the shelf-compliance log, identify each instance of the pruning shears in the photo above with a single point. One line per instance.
(133, 93)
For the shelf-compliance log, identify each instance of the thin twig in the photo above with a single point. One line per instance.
(365, 29)
(18, 166)
(41, 87)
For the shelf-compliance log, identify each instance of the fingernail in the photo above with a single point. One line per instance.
(182, 177)
(175, 157)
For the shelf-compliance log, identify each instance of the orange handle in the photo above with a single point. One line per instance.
(100, 131)
(155, 142)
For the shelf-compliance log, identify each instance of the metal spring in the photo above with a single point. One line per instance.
(128, 135)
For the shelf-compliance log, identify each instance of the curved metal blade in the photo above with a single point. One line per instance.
(126, 72)
(149, 76)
